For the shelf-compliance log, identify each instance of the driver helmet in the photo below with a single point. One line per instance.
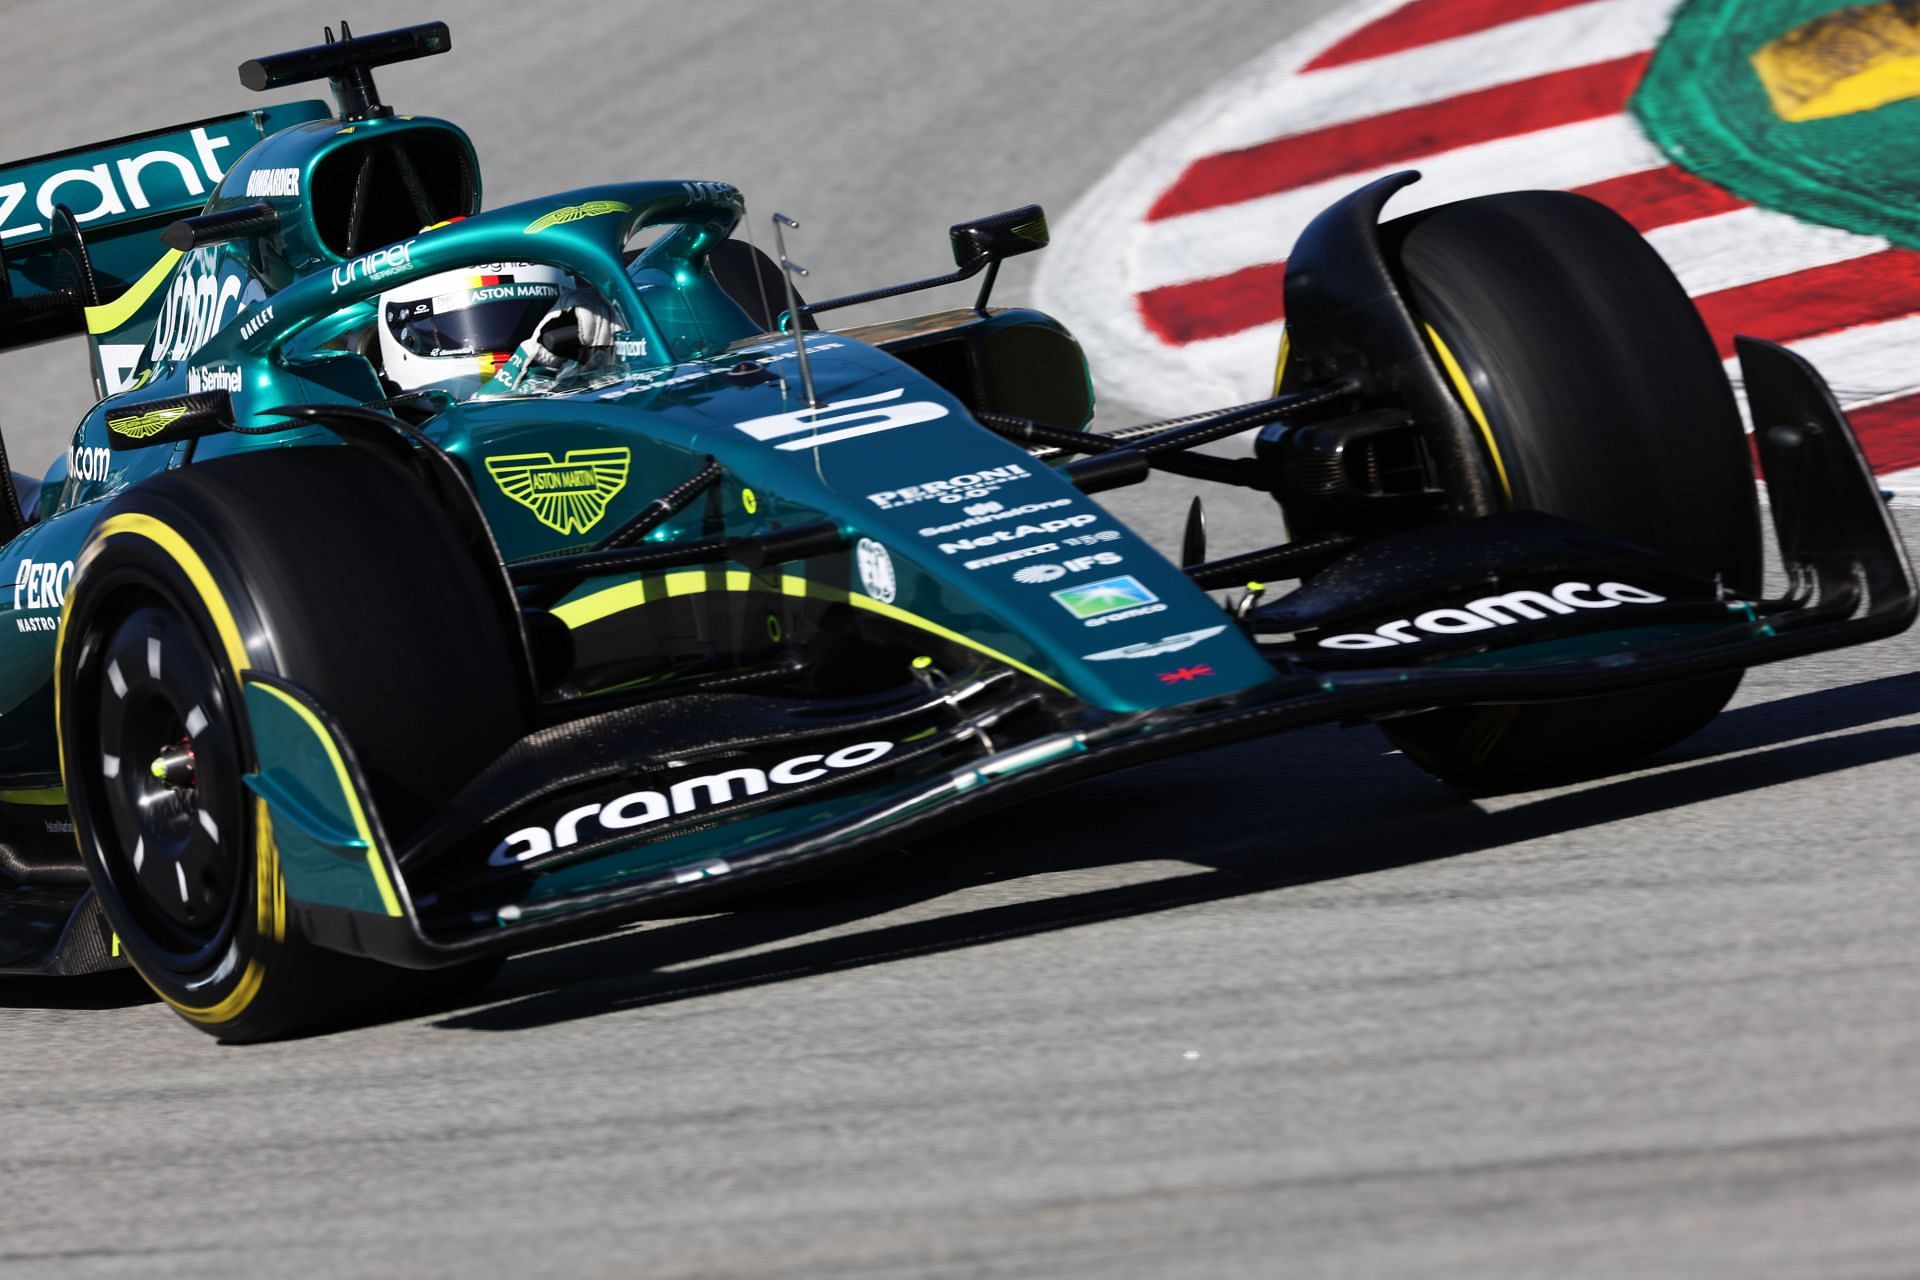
(453, 331)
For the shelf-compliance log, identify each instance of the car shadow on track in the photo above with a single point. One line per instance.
(114, 989)
(1354, 810)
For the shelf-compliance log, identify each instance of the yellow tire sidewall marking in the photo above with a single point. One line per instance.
(1464, 389)
(182, 554)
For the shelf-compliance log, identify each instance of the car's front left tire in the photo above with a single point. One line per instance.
(331, 569)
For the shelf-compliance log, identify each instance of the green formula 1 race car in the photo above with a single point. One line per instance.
(430, 584)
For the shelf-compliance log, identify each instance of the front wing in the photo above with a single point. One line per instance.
(769, 791)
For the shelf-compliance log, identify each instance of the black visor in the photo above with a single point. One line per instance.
(492, 317)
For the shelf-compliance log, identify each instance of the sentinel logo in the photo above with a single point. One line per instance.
(642, 808)
(213, 378)
(979, 513)
(1490, 612)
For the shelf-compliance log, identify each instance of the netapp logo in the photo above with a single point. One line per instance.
(641, 808)
(1490, 612)
(985, 540)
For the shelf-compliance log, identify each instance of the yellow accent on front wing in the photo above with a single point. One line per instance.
(1464, 389)
(361, 827)
(927, 624)
(109, 316)
(631, 595)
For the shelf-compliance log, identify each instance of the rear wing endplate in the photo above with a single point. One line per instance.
(80, 229)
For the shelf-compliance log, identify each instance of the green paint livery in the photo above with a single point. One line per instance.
(765, 595)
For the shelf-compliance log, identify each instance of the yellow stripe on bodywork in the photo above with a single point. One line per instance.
(35, 795)
(1280, 361)
(631, 595)
(1465, 391)
(109, 316)
(871, 605)
(361, 827)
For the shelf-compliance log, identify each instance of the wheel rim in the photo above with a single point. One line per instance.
(170, 781)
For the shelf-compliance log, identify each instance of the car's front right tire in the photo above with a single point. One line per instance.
(1600, 398)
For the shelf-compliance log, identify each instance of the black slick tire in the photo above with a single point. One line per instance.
(327, 567)
(1601, 399)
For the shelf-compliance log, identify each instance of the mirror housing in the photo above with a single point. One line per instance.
(998, 235)
(978, 245)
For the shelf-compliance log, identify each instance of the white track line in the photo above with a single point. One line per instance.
(1281, 103)
(1731, 249)
(1904, 486)
(1214, 242)
(1865, 364)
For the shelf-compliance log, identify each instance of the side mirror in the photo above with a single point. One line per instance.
(998, 235)
(978, 246)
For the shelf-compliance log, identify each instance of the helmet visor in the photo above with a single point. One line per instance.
(497, 315)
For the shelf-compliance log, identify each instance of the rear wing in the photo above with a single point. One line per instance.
(80, 247)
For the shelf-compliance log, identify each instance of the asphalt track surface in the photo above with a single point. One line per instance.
(1287, 1008)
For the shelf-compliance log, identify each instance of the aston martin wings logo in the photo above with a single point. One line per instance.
(575, 212)
(568, 496)
(139, 426)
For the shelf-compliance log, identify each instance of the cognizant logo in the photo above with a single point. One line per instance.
(101, 192)
(641, 808)
(1489, 612)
